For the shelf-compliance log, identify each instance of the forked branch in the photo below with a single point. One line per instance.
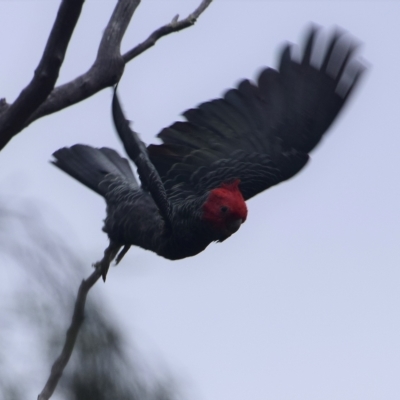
(41, 98)
(106, 70)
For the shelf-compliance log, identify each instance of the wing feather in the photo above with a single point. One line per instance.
(260, 133)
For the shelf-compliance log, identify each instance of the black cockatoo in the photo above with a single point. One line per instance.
(195, 185)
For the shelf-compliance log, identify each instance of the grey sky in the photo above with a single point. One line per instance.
(303, 301)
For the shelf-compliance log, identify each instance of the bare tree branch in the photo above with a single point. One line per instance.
(15, 116)
(70, 339)
(173, 26)
(106, 70)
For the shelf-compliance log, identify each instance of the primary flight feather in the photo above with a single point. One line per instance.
(194, 185)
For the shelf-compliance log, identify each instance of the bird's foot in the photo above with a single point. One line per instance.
(121, 254)
(103, 266)
(109, 254)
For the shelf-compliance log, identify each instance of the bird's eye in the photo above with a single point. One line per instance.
(224, 209)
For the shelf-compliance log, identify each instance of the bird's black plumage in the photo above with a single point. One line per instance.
(258, 134)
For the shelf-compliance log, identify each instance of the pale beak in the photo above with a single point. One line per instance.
(234, 225)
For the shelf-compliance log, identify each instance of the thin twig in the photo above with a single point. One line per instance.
(77, 318)
(13, 119)
(173, 26)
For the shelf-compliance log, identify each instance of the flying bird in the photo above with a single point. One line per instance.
(194, 186)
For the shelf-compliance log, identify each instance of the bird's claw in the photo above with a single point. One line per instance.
(103, 267)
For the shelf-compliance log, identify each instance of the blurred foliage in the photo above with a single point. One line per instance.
(43, 301)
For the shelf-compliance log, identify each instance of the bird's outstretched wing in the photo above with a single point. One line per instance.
(137, 152)
(259, 133)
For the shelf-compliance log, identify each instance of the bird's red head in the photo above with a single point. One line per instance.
(225, 208)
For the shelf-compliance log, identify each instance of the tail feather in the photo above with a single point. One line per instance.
(121, 163)
(90, 166)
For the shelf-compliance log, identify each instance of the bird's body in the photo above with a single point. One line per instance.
(132, 215)
(133, 218)
(194, 185)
